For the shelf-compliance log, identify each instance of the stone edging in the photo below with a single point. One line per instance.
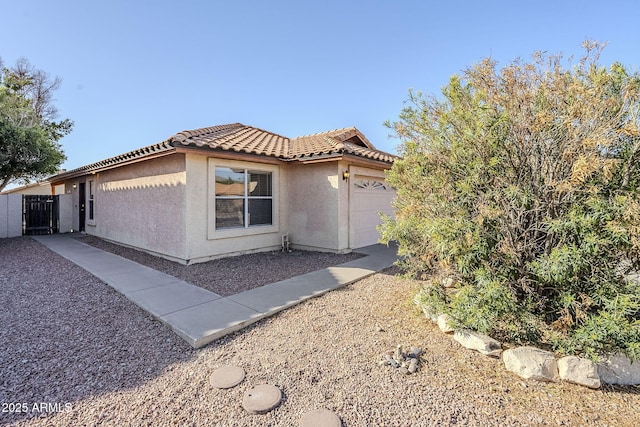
(534, 363)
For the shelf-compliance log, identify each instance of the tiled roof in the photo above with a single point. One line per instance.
(113, 161)
(337, 142)
(240, 138)
(247, 139)
(235, 137)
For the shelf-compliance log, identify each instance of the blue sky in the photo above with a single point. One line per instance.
(136, 72)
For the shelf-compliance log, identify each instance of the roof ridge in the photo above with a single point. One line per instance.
(267, 131)
(327, 132)
(181, 136)
(338, 145)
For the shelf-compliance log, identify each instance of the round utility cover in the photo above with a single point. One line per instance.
(320, 418)
(262, 398)
(227, 377)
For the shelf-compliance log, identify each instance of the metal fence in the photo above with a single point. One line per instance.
(40, 215)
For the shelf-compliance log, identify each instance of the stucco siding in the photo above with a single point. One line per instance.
(204, 242)
(142, 205)
(10, 215)
(343, 207)
(37, 189)
(167, 205)
(4, 216)
(314, 202)
(65, 210)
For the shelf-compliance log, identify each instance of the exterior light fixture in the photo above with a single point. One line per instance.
(75, 186)
(345, 175)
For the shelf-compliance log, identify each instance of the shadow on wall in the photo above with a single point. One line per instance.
(154, 181)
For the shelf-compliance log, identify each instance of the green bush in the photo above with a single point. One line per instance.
(521, 183)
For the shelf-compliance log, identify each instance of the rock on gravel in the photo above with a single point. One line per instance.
(94, 358)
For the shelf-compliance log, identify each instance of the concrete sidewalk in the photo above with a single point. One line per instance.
(198, 315)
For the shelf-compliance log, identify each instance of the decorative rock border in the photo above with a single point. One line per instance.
(618, 369)
(579, 371)
(531, 363)
(534, 363)
(477, 341)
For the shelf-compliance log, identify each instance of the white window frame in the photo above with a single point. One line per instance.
(246, 197)
(91, 202)
(245, 229)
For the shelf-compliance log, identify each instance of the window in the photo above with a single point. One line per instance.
(371, 184)
(243, 198)
(91, 200)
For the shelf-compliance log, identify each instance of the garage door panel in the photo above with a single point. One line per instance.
(370, 197)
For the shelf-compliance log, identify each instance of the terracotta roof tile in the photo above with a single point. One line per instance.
(117, 160)
(236, 137)
(247, 139)
(338, 141)
(200, 136)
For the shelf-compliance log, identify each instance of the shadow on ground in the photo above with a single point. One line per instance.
(67, 336)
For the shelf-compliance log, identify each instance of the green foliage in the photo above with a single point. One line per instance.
(490, 300)
(522, 184)
(614, 327)
(432, 299)
(29, 135)
(27, 152)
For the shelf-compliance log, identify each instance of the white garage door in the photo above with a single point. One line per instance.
(370, 196)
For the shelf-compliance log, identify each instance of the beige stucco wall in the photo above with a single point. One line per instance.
(37, 189)
(141, 205)
(344, 244)
(65, 212)
(10, 215)
(316, 220)
(167, 206)
(203, 241)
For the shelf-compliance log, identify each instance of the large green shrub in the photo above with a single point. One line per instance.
(521, 184)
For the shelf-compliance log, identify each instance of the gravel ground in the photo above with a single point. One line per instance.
(94, 358)
(229, 276)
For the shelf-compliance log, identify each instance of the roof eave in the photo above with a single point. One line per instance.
(83, 171)
(231, 155)
(351, 158)
(368, 162)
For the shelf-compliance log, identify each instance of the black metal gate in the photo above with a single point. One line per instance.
(40, 215)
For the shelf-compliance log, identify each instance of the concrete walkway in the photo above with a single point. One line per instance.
(200, 316)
